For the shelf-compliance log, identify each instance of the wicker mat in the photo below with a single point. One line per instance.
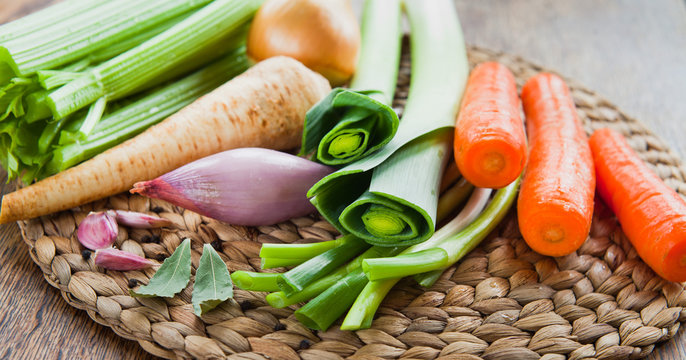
(503, 301)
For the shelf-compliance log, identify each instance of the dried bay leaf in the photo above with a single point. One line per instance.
(212, 282)
(172, 276)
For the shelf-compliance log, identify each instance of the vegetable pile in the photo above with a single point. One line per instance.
(383, 182)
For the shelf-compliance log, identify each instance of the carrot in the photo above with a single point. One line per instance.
(264, 107)
(555, 203)
(490, 144)
(652, 215)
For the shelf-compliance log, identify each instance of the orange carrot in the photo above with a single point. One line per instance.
(490, 144)
(652, 215)
(264, 107)
(555, 203)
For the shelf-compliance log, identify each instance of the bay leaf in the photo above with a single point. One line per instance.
(212, 282)
(172, 276)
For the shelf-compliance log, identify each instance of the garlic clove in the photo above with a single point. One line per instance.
(139, 220)
(113, 259)
(98, 231)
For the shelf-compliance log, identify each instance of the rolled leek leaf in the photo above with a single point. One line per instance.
(348, 125)
(389, 198)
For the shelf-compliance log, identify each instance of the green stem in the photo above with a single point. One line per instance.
(377, 67)
(365, 306)
(280, 300)
(271, 263)
(454, 244)
(129, 71)
(349, 125)
(363, 309)
(89, 30)
(452, 197)
(317, 267)
(297, 251)
(44, 18)
(254, 281)
(132, 119)
(322, 311)
(93, 117)
(405, 264)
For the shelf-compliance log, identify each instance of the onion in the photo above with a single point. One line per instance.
(322, 34)
(247, 186)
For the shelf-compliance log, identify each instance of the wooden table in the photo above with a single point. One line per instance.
(632, 52)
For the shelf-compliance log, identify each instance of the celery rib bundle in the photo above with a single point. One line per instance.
(61, 74)
(389, 198)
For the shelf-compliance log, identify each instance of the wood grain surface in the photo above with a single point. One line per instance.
(631, 52)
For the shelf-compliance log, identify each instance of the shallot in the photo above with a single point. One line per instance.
(246, 186)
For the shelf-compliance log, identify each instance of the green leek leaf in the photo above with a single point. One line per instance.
(407, 170)
(347, 125)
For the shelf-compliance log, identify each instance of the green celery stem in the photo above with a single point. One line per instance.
(404, 265)
(254, 281)
(132, 119)
(132, 69)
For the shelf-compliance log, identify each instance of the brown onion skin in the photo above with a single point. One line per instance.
(322, 34)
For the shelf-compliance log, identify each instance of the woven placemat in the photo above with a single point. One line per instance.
(503, 301)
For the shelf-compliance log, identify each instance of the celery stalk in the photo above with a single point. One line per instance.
(130, 120)
(86, 31)
(126, 73)
(43, 18)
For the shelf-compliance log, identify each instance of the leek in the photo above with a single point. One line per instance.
(367, 198)
(350, 124)
(456, 245)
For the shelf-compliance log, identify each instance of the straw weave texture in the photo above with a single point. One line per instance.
(503, 301)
